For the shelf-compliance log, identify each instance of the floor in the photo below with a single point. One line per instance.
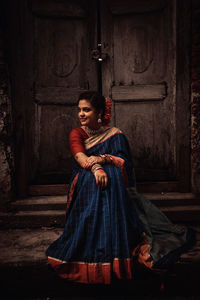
(25, 274)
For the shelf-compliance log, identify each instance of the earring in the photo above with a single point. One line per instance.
(99, 119)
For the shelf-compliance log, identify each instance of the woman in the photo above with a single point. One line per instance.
(109, 226)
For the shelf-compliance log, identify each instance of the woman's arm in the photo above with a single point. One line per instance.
(97, 170)
(81, 158)
(93, 163)
(87, 162)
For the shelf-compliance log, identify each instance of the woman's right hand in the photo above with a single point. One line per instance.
(91, 160)
(101, 178)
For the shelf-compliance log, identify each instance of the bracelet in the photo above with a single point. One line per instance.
(96, 167)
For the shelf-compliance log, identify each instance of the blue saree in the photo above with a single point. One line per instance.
(107, 230)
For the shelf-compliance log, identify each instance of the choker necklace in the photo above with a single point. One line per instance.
(93, 131)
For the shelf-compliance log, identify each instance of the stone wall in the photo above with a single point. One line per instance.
(195, 97)
(6, 133)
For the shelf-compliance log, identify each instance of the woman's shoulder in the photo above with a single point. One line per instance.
(77, 129)
(78, 132)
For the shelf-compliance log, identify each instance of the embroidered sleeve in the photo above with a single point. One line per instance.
(76, 140)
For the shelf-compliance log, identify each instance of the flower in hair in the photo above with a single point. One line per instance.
(107, 115)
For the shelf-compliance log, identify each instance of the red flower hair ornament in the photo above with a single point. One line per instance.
(107, 115)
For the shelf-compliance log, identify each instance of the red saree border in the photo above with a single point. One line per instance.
(71, 192)
(119, 162)
(92, 273)
(142, 252)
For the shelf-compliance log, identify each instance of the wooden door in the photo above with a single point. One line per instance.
(64, 34)
(50, 45)
(144, 41)
(143, 75)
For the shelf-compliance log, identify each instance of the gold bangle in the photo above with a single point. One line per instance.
(96, 167)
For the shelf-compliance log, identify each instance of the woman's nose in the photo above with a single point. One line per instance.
(81, 113)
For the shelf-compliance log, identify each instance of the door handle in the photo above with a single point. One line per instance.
(98, 56)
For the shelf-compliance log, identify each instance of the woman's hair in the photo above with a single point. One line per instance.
(96, 100)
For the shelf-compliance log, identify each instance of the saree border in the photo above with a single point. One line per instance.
(93, 273)
(100, 138)
(71, 192)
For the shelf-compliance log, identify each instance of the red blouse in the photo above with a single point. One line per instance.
(76, 140)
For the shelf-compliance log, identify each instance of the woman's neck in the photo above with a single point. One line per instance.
(91, 131)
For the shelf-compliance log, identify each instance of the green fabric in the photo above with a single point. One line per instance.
(163, 236)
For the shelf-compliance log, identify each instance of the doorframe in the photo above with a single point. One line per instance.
(183, 91)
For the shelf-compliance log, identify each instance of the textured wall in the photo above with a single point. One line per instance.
(6, 137)
(195, 97)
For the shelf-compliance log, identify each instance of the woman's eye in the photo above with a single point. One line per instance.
(86, 109)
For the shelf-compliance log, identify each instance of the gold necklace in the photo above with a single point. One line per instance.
(94, 131)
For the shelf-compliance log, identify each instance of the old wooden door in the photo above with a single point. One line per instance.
(50, 45)
(64, 34)
(143, 43)
(144, 74)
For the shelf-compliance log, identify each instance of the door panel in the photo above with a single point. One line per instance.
(62, 69)
(54, 124)
(140, 75)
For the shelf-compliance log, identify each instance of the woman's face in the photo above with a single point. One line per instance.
(87, 114)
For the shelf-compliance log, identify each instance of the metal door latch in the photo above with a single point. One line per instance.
(99, 56)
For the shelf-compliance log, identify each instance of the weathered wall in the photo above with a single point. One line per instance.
(6, 133)
(195, 97)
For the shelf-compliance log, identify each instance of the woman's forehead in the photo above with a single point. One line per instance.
(84, 103)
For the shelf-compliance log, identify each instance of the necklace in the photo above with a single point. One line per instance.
(93, 131)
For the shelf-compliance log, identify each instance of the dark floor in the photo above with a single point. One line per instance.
(38, 282)
(25, 274)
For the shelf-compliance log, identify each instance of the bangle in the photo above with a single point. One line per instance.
(96, 167)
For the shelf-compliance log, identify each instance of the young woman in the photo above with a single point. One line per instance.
(109, 226)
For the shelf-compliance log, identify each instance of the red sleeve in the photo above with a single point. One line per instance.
(76, 140)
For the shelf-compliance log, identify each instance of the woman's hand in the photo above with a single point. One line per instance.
(92, 160)
(101, 178)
